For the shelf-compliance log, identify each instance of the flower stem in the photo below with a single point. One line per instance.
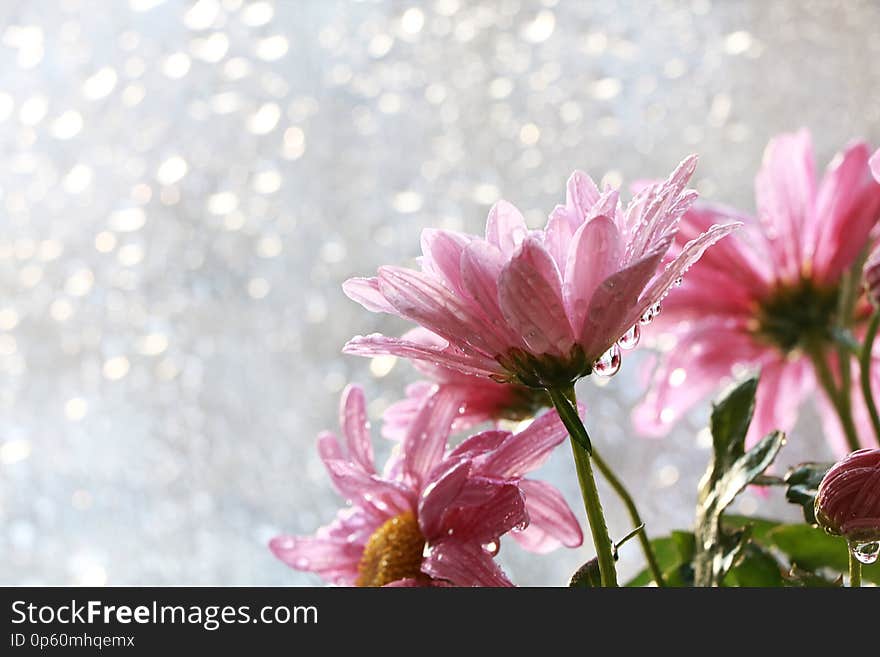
(579, 439)
(855, 570)
(865, 372)
(840, 403)
(630, 505)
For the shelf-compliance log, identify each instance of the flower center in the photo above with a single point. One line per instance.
(393, 552)
(796, 317)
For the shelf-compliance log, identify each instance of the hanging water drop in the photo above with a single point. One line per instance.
(650, 314)
(678, 281)
(865, 552)
(608, 363)
(630, 339)
(492, 548)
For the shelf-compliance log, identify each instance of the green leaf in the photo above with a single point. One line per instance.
(729, 472)
(803, 485)
(674, 555)
(756, 568)
(587, 576)
(811, 548)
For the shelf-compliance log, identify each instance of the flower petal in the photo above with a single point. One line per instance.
(463, 564)
(438, 495)
(523, 452)
(593, 255)
(530, 294)
(505, 227)
(356, 428)
(335, 561)
(500, 511)
(551, 521)
(785, 189)
(848, 207)
(875, 165)
(782, 388)
(481, 265)
(480, 443)
(581, 194)
(370, 492)
(377, 344)
(442, 255)
(399, 415)
(365, 291)
(425, 441)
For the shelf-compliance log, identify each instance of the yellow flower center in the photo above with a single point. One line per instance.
(393, 552)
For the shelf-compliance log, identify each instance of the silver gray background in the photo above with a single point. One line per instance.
(183, 189)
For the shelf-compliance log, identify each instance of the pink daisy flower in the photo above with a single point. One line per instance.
(434, 516)
(539, 308)
(480, 400)
(875, 165)
(768, 297)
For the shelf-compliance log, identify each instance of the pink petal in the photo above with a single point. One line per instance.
(615, 300)
(481, 265)
(678, 267)
(581, 194)
(483, 523)
(505, 227)
(783, 385)
(442, 255)
(369, 491)
(425, 441)
(875, 165)
(424, 300)
(557, 236)
(437, 497)
(399, 415)
(366, 292)
(691, 372)
(523, 452)
(785, 189)
(376, 344)
(356, 428)
(593, 255)
(480, 443)
(848, 203)
(551, 521)
(463, 564)
(335, 561)
(530, 292)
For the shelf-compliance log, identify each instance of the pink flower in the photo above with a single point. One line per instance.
(875, 164)
(479, 400)
(848, 501)
(433, 516)
(539, 308)
(766, 298)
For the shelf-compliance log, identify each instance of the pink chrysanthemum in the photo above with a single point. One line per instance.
(767, 297)
(875, 165)
(433, 516)
(848, 499)
(480, 400)
(539, 308)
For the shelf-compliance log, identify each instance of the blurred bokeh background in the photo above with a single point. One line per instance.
(184, 186)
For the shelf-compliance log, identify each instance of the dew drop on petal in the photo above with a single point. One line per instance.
(491, 547)
(301, 563)
(608, 363)
(865, 552)
(650, 314)
(630, 339)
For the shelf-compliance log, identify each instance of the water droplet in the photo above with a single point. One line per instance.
(866, 552)
(301, 563)
(678, 281)
(630, 339)
(608, 363)
(492, 548)
(650, 314)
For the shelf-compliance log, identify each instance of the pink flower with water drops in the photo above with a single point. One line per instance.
(540, 308)
(480, 400)
(434, 515)
(767, 297)
(875, 164)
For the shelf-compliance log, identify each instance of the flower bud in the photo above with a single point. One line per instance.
(848, 501)
(871, 276)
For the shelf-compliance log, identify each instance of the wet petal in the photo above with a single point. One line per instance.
(551, 521)
(463, 564)
(521, 453)
(365, 291)
(505, 227)
(594, 254)
(356, 428)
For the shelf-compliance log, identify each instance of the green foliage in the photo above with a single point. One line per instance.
(802, 483)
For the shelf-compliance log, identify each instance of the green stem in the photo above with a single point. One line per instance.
(579, 440)
(844, 410)
(855, 570)
(865, 373)
(630, 505)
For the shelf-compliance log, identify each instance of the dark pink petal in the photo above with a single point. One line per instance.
(614, 299)
(530, 292)
(783, 385)
(551, 521)
(422, 299)
(425, 441)
(505, 227)
(480, 443)
(437, 497)
(523, 452)
(847, 209)
(785, 189)
(463, 564)
(442, 255)
(366, 292)
(483, 523)
(678, 267)
(356, 428)
(593, 255)
(369, 491)
(336, 561)
(376, 344)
